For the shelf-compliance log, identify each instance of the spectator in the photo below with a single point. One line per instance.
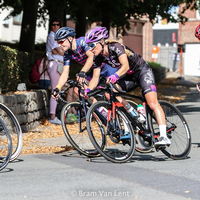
(55, 60)
(44, 82)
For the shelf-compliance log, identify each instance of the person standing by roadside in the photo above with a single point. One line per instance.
(44, 81)
(55, 62)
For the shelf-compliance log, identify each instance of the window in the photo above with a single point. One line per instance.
(17, 20)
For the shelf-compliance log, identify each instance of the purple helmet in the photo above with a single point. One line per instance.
(96, 34)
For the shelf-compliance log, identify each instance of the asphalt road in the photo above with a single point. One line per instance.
(150, 176)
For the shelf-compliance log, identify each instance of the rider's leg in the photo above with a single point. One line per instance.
(153, 103)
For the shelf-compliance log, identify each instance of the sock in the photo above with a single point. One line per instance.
(162, 129)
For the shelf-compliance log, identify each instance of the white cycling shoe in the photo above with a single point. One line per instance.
(163, 141)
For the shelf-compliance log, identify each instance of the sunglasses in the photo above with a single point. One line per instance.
(55, 24)
(61, 41)
(92, 45)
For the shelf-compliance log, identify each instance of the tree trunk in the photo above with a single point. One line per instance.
(106, 21)
(57, 11)
(27, 37)
(81, 20)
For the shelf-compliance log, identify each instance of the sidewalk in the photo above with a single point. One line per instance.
(184, 80)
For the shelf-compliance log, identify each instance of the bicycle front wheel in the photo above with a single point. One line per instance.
(5, 145)
(76, 131)
(177, 131)
(114, 138)
(14, 128)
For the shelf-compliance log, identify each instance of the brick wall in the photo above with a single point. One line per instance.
(186, 31)
(147, 41)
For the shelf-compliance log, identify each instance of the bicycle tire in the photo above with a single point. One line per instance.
(142, 146)
(177, 131)
(78, 139)
(15, 130)
(117, 151)
(5, 145)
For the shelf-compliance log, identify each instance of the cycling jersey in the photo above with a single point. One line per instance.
(115, 50)
(79, 55)
(139, 73)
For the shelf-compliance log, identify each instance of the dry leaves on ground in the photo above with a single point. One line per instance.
(32, 143)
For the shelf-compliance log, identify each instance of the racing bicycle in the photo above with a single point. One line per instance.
(118, 141)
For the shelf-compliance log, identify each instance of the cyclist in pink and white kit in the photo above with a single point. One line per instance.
(132, 69)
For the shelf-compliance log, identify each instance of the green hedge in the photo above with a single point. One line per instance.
(158, 70)
(14, 68)
(154, 65)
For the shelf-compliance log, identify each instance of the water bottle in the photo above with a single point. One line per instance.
(141, 111)
(103, 111)
(131, 110)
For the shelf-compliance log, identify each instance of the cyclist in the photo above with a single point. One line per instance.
(197, 32)
(132, 69)
(77, 50)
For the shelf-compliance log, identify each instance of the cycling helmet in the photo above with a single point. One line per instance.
(96, 34)
(197, 31)
(64, 32)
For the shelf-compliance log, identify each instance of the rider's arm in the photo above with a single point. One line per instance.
(95, 78)
(58, 51)
(124, 65)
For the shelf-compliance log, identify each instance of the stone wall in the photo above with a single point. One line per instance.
(29, 107)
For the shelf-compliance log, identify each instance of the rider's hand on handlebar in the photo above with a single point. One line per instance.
(113, 78)
(80, 77)
(55, 93)
(85, 92)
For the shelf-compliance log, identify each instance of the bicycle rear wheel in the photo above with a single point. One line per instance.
(177, 131)
(5, 145)
(76, 132)
(101, 132)
(14, 128)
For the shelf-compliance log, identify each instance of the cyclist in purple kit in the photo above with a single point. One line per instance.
(132, 69)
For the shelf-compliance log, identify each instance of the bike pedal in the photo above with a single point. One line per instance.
(160, 147)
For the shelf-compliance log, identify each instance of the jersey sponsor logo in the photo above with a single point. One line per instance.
(149, 77)
(113, 62)
(82, 42)
(112, 48)
(118, 51)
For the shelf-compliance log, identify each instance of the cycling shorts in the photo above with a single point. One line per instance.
(142, 77)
